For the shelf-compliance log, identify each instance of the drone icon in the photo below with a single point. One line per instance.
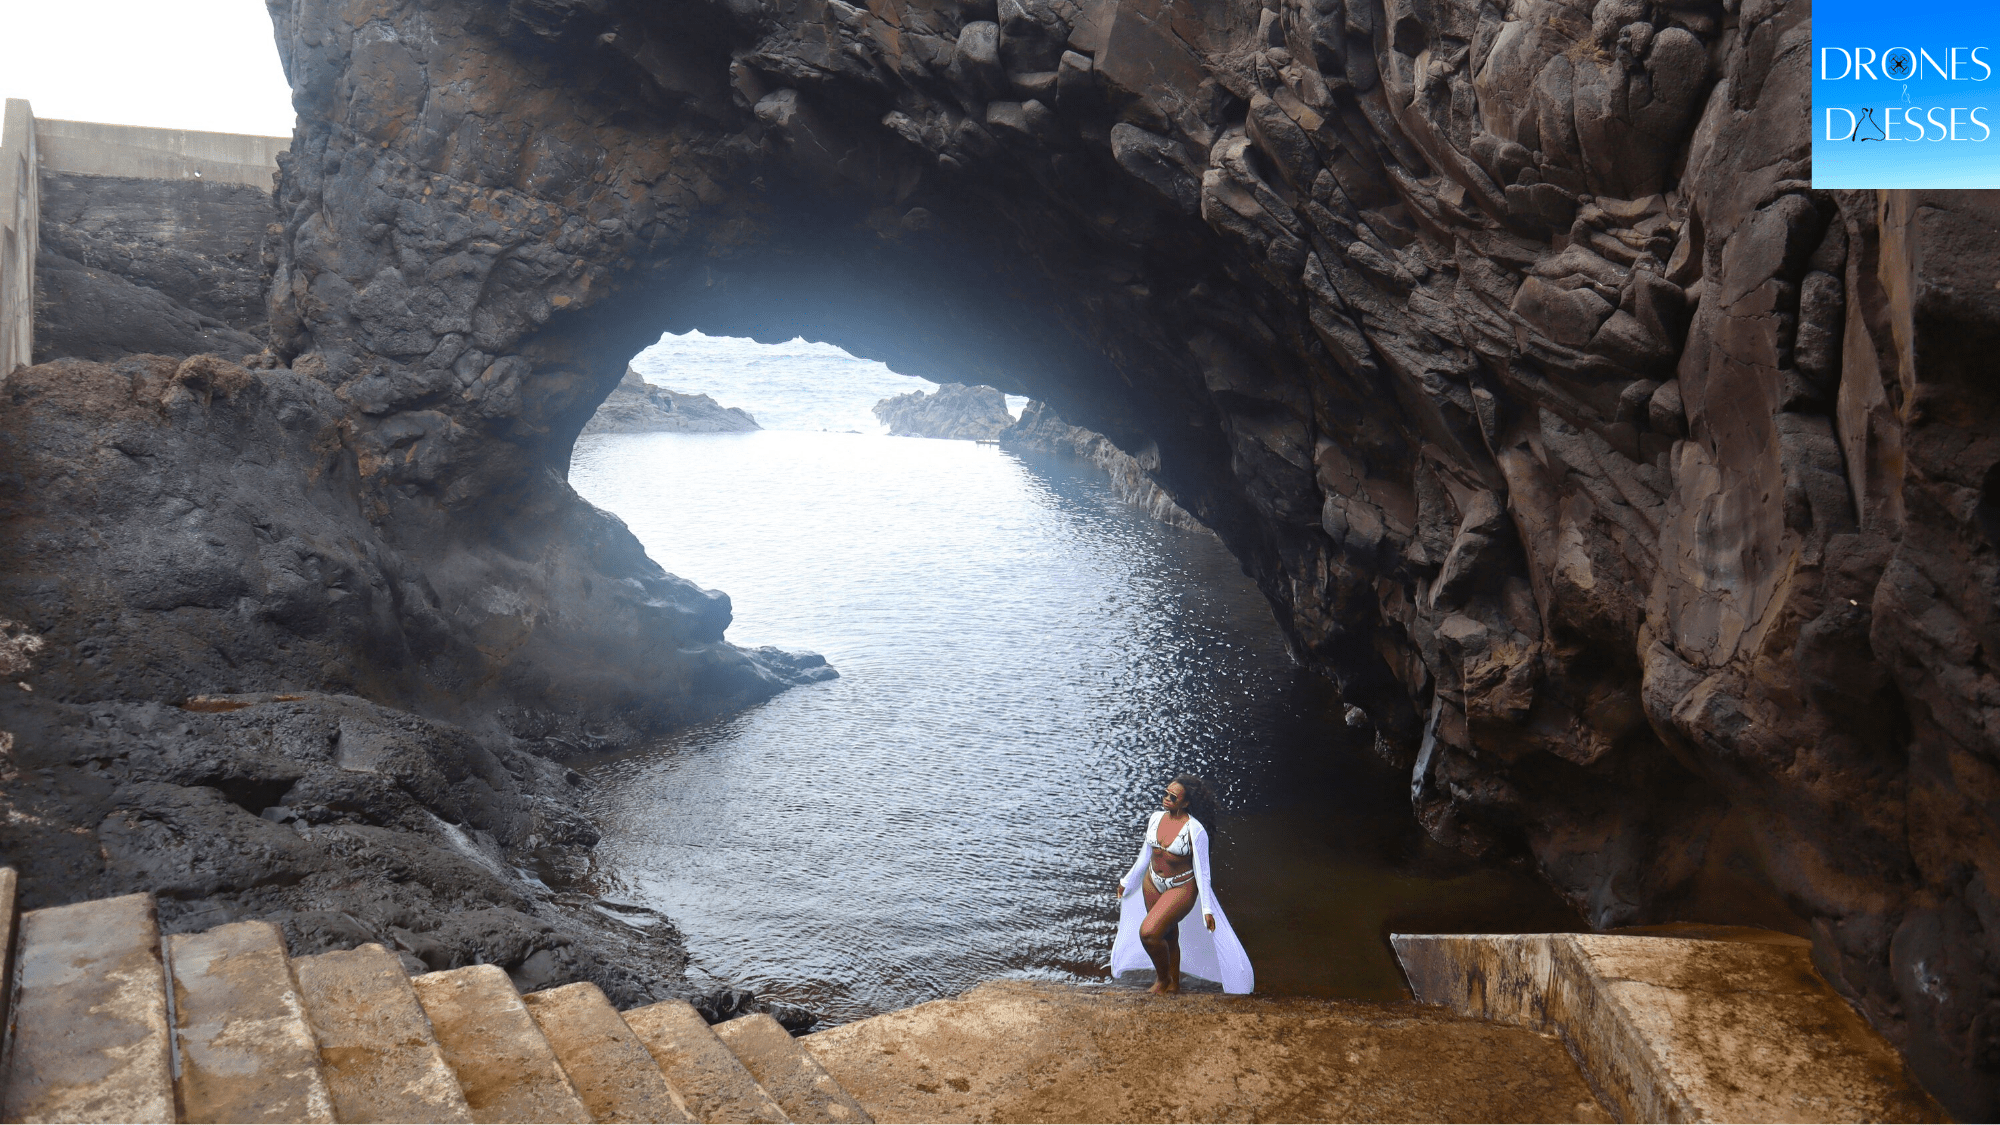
(1898, 63)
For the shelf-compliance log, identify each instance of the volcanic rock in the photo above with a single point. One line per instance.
(955, 411)
(338, 819)
(100, 314)
(1039, 430)
(175, 267)
(222, 661)
(638, 407)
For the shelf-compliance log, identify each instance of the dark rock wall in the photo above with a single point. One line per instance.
(174, 267)
(1637, 494)
(1040, 431)
(201, 244)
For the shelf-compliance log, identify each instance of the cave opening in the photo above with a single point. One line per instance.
(1119, 310)
(1023, 657)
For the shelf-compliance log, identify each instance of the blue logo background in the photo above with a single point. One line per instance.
(1894, 157)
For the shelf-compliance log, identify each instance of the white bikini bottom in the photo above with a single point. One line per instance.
(1165, 885)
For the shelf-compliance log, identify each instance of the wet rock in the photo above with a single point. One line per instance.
(1040, 430)
(343, 821)
(246, 549)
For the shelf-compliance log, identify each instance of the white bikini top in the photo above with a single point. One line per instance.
(1183, 843)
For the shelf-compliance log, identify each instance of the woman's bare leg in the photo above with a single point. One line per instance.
(1158, 932)
(1160, 966)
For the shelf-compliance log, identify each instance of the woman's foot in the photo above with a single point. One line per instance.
(1159, 986)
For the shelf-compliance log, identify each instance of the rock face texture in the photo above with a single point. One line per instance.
(252, 554)
(1641, 498)
(217, 658)
(175, 267)
(955, 411)
(1040, 431)
(638, 407)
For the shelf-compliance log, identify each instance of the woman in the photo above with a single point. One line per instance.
(1157, 924)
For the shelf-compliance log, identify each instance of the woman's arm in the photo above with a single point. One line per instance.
(1201, 879)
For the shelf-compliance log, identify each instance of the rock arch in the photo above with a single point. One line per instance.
(1617, 477)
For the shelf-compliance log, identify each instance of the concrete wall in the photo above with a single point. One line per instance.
(117, 239)
(20, 235)
(94, 149)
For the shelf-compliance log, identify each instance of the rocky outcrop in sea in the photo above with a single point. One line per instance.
(955, 411)
(638, 407)
(1040, 431)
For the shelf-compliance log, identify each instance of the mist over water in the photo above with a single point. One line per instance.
(1024, 662)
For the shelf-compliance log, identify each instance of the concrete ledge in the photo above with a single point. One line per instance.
(91, 148)
(1679, 1029)
(20, 235)
(1022, 1051)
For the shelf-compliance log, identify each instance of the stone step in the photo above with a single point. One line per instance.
(712, 1081)
(503, 1062)
(246, 1050)
(793, 1078)
(612, 1071)
(91, 1040)
(380, 1060)
(1680, 1029)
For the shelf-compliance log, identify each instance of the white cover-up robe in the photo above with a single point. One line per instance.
(1214, 956)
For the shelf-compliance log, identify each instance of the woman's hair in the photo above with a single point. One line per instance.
(1201, 799)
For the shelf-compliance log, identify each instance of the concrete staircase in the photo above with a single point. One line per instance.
(111, 1023)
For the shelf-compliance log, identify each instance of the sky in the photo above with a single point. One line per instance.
(1925, 127)
(175, 64)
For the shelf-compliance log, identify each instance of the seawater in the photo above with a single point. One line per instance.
(1024, 661)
